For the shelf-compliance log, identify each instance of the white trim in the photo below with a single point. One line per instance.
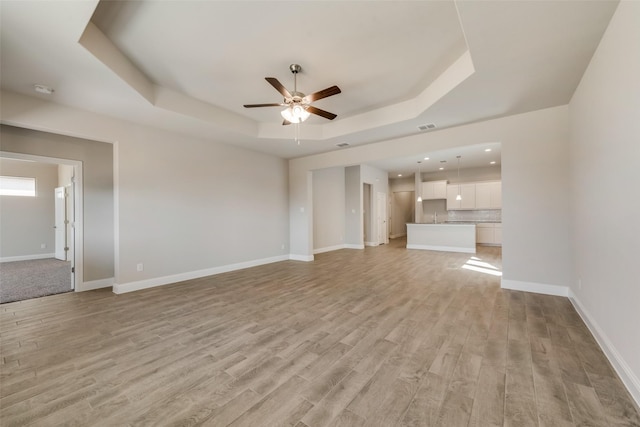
(443, 248)
(350, 246)
(395, 236)
(626, 374)
(328, 249)
(95, 284)
(174, 278)
(538, 288)
(294, 257)
(25, 257)
(371, 244)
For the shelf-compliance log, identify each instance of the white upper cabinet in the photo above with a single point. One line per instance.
(489, 195)
(467, 192)
(432, 190)
(478, 195)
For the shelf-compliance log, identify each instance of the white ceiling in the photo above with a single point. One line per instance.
(189, 66)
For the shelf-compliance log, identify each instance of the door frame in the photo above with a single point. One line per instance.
(78, 259)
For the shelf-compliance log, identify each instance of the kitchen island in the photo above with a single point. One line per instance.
(446, 237)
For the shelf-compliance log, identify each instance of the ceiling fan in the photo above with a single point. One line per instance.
(298, 104)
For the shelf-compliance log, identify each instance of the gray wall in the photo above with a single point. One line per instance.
(353, 206)
(27, 222)
(97, 160)
(605, 201)
(328, 208)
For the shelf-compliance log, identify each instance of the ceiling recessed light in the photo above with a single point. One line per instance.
(426, 158)
(492, 163)
(43, 89)
(399, 174)
(487, 149)
(441, 169)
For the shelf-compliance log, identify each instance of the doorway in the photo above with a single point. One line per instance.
(66, 217)
(402, 212)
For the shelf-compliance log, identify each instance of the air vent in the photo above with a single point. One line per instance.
(342, 144)
(427, 126)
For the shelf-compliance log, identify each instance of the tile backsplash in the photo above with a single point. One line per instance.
(479, 215)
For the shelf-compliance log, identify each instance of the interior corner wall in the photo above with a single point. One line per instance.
(97, 159)
(328, 209)
(605, 172)
(26, 223)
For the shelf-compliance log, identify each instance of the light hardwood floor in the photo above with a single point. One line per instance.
(380, 337)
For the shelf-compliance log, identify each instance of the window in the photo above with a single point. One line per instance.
(17, 186)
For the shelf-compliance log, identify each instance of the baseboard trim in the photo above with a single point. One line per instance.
(371, 244)
(95, 284)
(537, 288)
(395, 236)
(328, 249)
(26, 257)
(351, 246)
(167, 280)
(629, 379)
(442, 248)
(305, 258)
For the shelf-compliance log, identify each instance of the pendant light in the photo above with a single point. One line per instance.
(420, 181)
(458, 197)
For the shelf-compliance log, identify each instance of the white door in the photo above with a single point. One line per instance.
(381, 203)
(60, 223)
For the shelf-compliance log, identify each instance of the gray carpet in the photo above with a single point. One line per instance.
(20, 280)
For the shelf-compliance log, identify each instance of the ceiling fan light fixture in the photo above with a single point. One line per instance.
(295, 114)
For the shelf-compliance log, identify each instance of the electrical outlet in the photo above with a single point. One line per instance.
(140, 267)
(282, 247)
(580, 284)
(43, 246)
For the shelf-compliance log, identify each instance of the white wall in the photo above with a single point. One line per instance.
(605, 173)
(185, 207)
(328, 209)
(26, 223)
(535, 211)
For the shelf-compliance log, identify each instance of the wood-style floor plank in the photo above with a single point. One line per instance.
(380, 337)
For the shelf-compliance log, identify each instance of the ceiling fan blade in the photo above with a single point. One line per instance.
(279, 87)
(286, 122)
(263, 105)
(319, 112)
(330, 91)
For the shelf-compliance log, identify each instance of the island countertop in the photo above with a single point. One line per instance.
(449, 237)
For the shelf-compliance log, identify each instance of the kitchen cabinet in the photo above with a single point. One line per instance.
(475, 195)
(489, 234)
(432, 190)
(489, 195)
(497, 234)
(468, 193)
